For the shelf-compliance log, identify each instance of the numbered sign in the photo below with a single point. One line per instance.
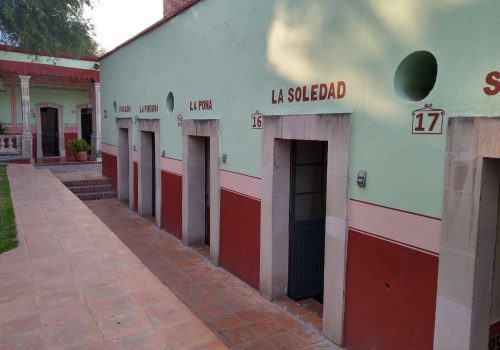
(257, 120)
(428, 121)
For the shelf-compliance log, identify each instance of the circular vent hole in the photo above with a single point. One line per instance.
(416, 76)
(170, 102)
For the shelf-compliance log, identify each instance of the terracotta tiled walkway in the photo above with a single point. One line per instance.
(234, 311)
(72, 284)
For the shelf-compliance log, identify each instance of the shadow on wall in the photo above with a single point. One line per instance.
(359, 42)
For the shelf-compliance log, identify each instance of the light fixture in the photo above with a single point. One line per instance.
(32, 113)
(224, 158)
(163, 153)
(361, 178)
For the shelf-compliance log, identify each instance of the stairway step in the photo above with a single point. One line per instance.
(91, 189)
(96, 196)
(88, 182)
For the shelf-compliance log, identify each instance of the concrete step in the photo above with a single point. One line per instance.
(6, 158)
(91, 188)
(95, 196)
(86, 182)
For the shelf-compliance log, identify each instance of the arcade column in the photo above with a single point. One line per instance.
(27, 137)
(96, 120)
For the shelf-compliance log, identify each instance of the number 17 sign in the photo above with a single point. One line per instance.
(428, 121)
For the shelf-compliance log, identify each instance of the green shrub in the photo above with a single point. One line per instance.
(78, 145)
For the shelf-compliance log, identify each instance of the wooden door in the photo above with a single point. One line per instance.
(50, 132)
(86, 124)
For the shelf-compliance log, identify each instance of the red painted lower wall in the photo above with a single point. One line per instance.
(171, 208)
(136, 187)
(240, 236)
(67, 137)
(390, 295)
(109, 168)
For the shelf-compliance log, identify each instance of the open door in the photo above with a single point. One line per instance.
(147, 178)
(153, 175)
(207, 191)
(494, 336)
(307, 219)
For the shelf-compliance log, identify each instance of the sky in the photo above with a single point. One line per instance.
(116, 21)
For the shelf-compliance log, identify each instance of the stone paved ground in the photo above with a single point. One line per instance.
(72, 284)
(236, 312)
(72, 168)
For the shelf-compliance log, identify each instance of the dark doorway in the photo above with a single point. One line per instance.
(153, 175)
(307, 219)
(50, 132)
(207, 191)
(86, 124)
(494, 332)
(124, 166)
(198, 193)
(148, 176)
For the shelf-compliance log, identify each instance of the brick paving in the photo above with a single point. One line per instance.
(236, 312)
(72, 284)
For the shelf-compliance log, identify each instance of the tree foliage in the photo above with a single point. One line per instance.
(47, 26)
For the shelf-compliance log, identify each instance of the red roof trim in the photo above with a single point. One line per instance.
(25, 68)
(152, 27)
(67, 55)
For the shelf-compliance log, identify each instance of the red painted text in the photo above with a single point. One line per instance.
(312, 93)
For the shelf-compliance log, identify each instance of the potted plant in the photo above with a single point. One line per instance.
(79, 148)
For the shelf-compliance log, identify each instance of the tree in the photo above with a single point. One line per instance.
(47, 26)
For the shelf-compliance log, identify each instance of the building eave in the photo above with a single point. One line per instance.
(151, 28)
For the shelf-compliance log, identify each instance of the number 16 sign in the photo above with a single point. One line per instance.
(428, 121)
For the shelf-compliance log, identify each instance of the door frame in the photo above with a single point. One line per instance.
(153, 126)
(277, 133)
(467, 248)
(125, 123)
(60, 127)
(79, 109)
(193, 225)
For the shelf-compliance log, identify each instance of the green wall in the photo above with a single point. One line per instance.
(69, 98)
(235, 52)
(5, 115)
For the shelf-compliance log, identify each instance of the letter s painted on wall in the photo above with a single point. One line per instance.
(492, 79)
